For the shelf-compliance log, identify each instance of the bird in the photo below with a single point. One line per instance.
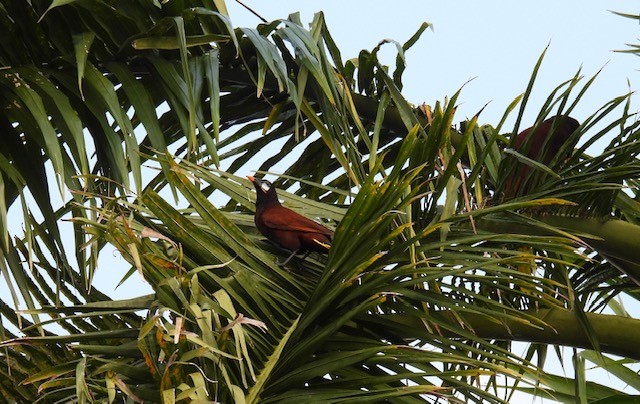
(542, 144)
(286, 228)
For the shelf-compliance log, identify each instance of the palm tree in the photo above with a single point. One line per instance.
(433, 273)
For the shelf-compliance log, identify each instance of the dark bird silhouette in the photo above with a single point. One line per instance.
(541, 144)
(285, 227)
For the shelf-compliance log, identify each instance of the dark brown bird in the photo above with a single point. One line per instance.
(285, 227)
(540, 144)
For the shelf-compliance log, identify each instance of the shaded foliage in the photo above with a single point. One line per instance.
(431, 269)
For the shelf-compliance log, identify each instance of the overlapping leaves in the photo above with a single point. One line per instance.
(424, 248)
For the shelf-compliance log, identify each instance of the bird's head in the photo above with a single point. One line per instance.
(266, 192)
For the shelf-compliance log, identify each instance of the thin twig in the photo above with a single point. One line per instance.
(467, 201)
(251, 11)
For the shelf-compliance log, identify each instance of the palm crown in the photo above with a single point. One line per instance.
(432, 273)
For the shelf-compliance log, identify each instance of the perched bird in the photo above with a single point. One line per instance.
(540, 144)
(285, 227)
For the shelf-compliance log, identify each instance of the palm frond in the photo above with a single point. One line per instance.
(432, 273)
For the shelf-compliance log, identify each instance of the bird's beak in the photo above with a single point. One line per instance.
(250, 178)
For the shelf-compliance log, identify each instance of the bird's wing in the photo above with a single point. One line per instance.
(286, 219)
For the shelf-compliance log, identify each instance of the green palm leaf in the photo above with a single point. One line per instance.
(432, 273)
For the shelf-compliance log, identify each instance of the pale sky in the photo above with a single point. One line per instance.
(495, 43)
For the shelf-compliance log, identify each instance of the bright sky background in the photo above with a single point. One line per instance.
(495, 43)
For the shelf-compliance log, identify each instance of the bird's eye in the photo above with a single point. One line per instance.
(265, 186)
